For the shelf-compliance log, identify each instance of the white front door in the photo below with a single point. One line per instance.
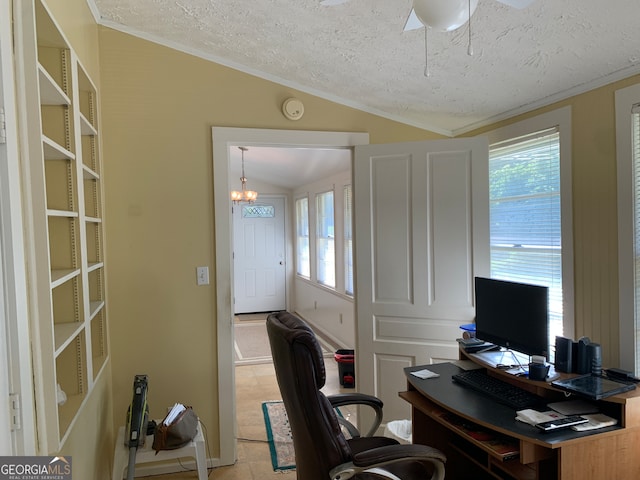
(422, 234)
(259, 256)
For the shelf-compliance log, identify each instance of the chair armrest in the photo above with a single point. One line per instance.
(354, 398)
(343, 399)
(378, 458)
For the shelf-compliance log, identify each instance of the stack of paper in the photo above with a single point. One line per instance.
(176, 410)
(533, 417)
(425, 373)
(597, 420)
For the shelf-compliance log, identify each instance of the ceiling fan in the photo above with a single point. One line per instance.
(441, 15)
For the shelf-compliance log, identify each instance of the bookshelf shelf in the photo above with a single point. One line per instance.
(62, 136)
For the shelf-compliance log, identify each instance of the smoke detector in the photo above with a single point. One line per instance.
(293, 109)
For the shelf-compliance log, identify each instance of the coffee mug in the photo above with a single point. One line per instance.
(538, 371)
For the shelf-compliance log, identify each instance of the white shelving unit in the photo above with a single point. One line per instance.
(66, 203)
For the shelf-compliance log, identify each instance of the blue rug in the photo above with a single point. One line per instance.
(279, 435)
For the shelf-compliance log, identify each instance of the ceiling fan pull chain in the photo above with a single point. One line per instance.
(427, 72)
(470, 47)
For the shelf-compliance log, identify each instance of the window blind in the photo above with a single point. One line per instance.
(635, 121)
(525, 222)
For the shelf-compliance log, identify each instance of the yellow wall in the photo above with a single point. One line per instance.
(91, 441)
(158, 108)
(595, 228)
(80, 29)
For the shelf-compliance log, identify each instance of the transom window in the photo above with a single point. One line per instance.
(258, 211)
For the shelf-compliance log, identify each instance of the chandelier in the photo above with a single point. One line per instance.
(245, 195)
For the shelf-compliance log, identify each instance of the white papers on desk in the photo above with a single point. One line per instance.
(533, 417)
(176, 410)
(597, 420)
(424, 373)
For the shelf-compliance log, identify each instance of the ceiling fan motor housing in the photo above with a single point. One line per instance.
(444, 15)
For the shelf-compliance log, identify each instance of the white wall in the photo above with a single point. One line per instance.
(331, 314)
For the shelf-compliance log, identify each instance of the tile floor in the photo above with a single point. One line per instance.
(255, 384)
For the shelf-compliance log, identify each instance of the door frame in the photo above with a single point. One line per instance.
(223, 139)
(16, 370)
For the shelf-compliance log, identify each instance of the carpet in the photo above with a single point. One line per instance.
(279, 435)
(252, 343)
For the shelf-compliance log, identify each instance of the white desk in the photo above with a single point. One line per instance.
(146, 454)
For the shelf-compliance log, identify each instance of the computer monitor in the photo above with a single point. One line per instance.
(513, 315)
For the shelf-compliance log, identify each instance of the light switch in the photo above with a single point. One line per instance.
(203, 275)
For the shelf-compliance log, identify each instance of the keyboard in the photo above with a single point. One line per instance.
(496, 389)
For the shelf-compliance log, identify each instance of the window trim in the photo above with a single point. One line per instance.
(561, 119)
(625, 98)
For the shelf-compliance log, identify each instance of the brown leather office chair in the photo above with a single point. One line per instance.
(321, 449)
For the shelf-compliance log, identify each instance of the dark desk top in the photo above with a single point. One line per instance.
(475, 406)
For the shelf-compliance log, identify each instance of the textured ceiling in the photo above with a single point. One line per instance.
(357, 54)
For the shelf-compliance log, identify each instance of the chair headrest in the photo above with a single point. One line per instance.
(297, 333)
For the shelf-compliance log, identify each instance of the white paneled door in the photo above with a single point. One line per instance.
(259, 256)
(422, 234)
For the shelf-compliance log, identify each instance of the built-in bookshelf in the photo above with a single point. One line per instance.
(66, 202)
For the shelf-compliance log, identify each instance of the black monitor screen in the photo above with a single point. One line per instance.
(513, 315)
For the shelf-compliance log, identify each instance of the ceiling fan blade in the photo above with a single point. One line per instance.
(519, 4)
(412, 22)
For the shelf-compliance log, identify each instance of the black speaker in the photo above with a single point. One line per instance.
(564, 355)
(583, 364)
(594, 355)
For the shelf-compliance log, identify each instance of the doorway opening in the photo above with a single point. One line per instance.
(224, 139)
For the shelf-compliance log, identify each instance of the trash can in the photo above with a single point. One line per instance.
(399, 430)
(346, 367)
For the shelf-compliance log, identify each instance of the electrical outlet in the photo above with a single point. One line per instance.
(202, 274)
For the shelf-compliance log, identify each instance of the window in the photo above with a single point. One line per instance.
(527, 224)
(302, 237)
(325, 240)
(628, 163)
(258, 211)
(635, 113)
(348, 241)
